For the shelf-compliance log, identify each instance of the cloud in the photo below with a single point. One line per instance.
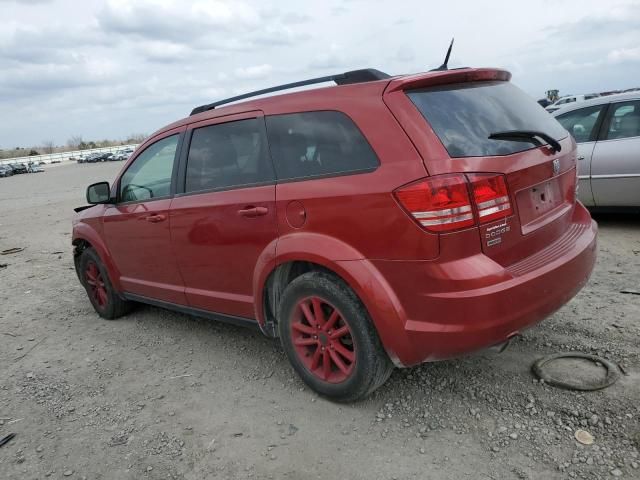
(26, 2)
(594, 34)
(178, 21)
(405, 54)
(589, 49)
(211, 27)
(254, 72)
(277, 34)
(46, 78)
(624, 54)
(44, 45)
(336, 57)
(294, 18)
(163, 51)
(117, 66)
(339, 10)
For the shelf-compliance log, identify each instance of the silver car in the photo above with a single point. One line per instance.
(607, 131)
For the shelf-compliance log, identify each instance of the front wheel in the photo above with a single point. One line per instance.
(329, 339)
(93, 275)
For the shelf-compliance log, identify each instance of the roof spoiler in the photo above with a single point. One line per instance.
(444, 77)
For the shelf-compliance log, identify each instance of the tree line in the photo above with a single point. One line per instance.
(75, 142)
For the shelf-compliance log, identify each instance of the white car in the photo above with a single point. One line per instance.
(607, 131)
(564, 101)
(34, 168)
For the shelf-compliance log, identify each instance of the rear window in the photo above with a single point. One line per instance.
(464, 115)
(311, 144)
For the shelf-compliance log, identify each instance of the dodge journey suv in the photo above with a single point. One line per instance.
(384, 221)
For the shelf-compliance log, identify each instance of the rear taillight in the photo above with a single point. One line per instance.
(442, 203)
(438, 203)
(490, 195)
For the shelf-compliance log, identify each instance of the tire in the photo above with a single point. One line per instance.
(342, 336)
(93, 275)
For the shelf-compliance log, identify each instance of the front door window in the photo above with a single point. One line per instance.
(149, 176)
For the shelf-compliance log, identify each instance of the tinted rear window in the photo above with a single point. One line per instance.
(464, 115)
(312, 144)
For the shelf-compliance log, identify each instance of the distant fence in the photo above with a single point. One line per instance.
(64, 156)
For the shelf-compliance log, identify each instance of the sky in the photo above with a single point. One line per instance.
(105, 69)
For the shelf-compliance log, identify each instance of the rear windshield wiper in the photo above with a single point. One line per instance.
(527, 136)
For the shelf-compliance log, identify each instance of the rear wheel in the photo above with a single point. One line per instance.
(329, 339)
(105, 300)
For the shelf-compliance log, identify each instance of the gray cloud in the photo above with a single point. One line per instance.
(180, 21)
(47, 44)
(114, 67)
(52, 77)
(27, 2)
(589, 28)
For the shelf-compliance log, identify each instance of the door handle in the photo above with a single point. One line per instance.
(251, 212)
(581, 157)
(158, 217)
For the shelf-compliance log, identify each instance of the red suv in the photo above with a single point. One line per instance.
(382, 221)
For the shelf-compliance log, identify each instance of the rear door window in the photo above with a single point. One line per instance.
(311, 144)
(581, 123)
(464, 115)
(228, 155)
(624, 120)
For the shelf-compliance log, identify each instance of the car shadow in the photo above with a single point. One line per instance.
(441, 379)
(616, 218)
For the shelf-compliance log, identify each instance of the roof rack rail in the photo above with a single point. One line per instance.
(354, 76)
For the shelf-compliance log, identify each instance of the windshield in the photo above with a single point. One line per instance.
(464, 115)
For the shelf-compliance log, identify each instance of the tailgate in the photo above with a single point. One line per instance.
(543, 202)
(451, 125)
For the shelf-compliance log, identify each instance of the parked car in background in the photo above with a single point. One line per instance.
(102, 156)
(57, 160)
(561, 102)
(6, 171)
(121, 155)
(92, 158)
(366, 224)
(33, 167)
(19, 168)
(607, 131)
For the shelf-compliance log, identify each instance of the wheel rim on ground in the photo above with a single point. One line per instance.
(322, 340)
(95, 283)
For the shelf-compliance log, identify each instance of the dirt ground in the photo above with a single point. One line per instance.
(163, 395)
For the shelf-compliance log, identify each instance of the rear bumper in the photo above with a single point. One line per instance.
(474, 303)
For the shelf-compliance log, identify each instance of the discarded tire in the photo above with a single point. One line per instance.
(613, 372)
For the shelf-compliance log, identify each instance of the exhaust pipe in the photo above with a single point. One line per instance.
(502, 346)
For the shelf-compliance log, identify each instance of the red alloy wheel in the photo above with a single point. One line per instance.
(95, 282)
(323, 340)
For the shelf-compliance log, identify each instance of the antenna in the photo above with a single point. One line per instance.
(446, 59)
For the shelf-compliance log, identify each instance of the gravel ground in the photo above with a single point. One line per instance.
(163, 395)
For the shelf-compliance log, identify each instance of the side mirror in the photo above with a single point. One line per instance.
(98, 193)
